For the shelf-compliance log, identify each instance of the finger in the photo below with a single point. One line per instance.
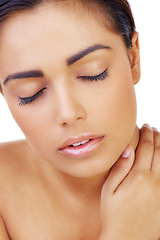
(119, 171)
(156, 155)
(144, 152)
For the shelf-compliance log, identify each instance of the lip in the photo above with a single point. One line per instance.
(81, 150)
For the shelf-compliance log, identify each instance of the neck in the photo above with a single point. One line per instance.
(135, 139)
(84, 187)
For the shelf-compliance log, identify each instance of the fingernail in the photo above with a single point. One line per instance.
(155, 129)
(126, 153)
(147, 125)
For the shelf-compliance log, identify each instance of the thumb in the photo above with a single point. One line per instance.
(120, 170)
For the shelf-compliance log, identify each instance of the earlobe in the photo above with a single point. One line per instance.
(134, 55)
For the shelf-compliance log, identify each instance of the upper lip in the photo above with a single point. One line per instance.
(78, 139)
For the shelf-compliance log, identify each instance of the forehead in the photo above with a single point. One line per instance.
(51, 30)
(62, 16)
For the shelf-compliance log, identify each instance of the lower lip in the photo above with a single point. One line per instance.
(82, 150)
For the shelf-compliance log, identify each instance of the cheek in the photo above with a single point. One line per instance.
(118, 108)
(36, 130)
(31, 122)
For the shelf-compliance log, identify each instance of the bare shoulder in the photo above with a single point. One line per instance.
(13, 151)
(13, 159)
(11, 148)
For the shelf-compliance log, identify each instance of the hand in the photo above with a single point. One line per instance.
(130, 199)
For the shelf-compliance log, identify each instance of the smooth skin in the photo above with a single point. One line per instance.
(44, 194)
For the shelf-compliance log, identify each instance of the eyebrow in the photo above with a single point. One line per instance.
(85, 52)
(70, 61)
(26, 74)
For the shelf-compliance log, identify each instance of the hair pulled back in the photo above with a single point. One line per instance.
(118, 12)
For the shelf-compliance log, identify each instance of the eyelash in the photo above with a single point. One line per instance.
(29, 100)
(99, 77)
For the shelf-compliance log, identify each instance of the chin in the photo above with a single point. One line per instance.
(88, 167)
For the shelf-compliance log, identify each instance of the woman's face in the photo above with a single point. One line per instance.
(69, 79)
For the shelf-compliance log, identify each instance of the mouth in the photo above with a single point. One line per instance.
(81, 147)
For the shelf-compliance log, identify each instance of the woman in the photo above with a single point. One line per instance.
(67, 72)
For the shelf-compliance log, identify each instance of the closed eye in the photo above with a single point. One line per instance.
(99, 77)
(29, 100)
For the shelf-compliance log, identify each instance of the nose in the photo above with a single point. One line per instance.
(70, 108)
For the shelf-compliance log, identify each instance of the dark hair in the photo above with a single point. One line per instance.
(117, 11)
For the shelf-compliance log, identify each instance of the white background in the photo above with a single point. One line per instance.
(147, 18)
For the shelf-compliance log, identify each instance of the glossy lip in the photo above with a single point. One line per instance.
(82, 150)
